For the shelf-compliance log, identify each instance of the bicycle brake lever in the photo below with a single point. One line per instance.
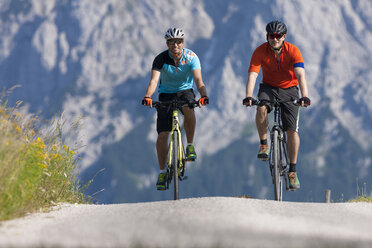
(296, 102)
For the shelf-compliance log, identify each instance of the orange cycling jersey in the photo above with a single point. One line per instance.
(276, 72)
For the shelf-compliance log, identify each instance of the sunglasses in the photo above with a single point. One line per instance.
(277, 36)
(172, 42)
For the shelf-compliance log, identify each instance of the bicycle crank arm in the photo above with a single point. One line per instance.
(182, 178)
(286, 182)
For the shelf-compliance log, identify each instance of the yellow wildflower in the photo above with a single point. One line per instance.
(40, 143)
(43, 165)
(54, 147)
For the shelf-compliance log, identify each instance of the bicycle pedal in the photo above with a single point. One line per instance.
(183, 178)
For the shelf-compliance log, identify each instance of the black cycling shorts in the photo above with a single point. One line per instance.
(164, 121)
(290, 111)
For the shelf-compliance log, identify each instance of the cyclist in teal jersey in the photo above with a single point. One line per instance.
(178, 68)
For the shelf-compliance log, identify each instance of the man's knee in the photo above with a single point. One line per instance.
(291, 131)
(261, 112)
(189, 115)
(188, 112)
(292, 134)
(163, 136)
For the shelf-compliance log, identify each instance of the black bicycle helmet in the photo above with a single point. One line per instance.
(276, 27)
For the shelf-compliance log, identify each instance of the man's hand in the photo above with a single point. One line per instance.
(305, 101)
(204, 100)
(248, 101)
(147, 101)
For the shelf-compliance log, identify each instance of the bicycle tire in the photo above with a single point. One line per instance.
(175, 162)
(278, 180)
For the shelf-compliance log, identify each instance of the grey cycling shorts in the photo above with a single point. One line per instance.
(290, 112)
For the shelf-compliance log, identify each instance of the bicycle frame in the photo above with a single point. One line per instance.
(279, 161)
(176, 131)
(278, 151)
(176, 154)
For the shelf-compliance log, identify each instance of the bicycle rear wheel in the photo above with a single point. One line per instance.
(277, 180)
(175, 162)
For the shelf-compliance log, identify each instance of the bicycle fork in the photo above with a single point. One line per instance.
(271, 156)
(180, 152)
(284, 164)
(181, 155)
(285, 167)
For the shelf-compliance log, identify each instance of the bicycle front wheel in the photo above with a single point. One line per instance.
(175, 162)
(278, 180)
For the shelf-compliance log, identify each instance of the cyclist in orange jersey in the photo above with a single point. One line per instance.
(283, 74)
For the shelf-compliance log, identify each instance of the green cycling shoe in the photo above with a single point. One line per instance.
(162, 180)
(190, 153)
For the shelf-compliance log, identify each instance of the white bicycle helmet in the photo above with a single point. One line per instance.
(174, 33)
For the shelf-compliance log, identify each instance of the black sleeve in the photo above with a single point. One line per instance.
(158, 62)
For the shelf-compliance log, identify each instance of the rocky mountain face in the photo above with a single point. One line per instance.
(92, 59)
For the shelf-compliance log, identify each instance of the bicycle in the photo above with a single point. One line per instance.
(278, 158)
(176, 153)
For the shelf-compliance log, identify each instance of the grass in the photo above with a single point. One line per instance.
(37, 170)
(361, 193)
(362, 199)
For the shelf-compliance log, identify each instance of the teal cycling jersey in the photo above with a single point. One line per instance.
(175, 78)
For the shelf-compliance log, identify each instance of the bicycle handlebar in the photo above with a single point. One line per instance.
(258, 102)
(175, 104)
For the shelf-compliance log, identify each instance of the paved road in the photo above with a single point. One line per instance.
(196, 222)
